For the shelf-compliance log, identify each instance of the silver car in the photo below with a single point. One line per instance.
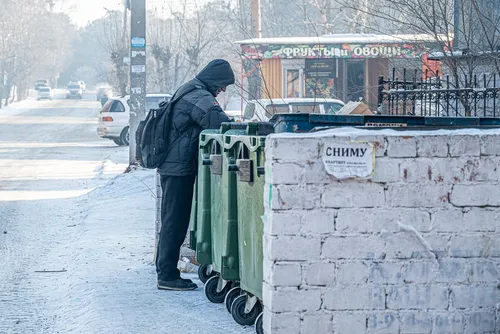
(44, 93)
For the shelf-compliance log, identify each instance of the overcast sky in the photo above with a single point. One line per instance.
(89, 10)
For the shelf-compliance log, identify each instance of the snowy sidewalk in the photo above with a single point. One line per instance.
(111, 284)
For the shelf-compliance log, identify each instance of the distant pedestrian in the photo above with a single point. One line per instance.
(104, 99)
(195, 111)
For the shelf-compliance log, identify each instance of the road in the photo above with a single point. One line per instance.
(75, 241)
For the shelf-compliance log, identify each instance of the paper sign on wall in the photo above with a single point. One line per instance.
(349, 160)
(138, 68)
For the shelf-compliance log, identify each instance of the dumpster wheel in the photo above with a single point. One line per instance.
(211, 290)
(231, 296)
(238, 311)
(259, 326)
(203, 273)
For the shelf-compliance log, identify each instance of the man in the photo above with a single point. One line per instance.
(195, 111)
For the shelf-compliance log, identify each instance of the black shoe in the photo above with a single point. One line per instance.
(186, 280)
(176, 285)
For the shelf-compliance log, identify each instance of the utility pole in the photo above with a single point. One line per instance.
(137, 70)
(256, 19)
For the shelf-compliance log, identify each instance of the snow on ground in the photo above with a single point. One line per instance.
(112, 273)
(77, 234)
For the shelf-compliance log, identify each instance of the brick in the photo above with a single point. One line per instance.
(432, 146)
(421, 169)
(317, 323)
(490, 145)
(386, 170)
(270, 197)
(293, 300)
(452, 271)
(460, 146)
(449, 170)
(318, 221)
(383, 323)
(420, 272)
(475, 195)
(448, 220)
(285, 274)
(474, 220)
(267, 265)
(293, 248)
(283, 173)
(292, 149)
(315, 172)
(346, 323)
(470, 296)
(386, 273)
(481, 220)
(320, 274)
(484, 272)
(401, 147)
(296, 197)
(417, 297)
(474, 246)
(378, 220)
(477, 169)
(355, 298)
(406, 245)
(448, 323)
(400, 195)
(348, 194)
(281, 323)
(353, 273)
(481, 322)
(356, 247)
(416, 322)
(378, 142)
(282, 223)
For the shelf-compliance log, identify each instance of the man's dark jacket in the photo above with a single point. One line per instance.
(196, 111)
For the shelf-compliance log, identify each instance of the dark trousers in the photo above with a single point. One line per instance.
(177, 196)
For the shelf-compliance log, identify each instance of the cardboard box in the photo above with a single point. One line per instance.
(355, 108)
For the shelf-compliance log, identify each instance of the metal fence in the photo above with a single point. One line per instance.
(439, 96)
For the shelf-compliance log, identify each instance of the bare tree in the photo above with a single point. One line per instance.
(114, 39)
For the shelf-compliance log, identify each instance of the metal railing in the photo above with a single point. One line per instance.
(439, 96)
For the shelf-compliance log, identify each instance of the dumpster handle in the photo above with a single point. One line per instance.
(260, 171)
(232, 168)
(206, 162)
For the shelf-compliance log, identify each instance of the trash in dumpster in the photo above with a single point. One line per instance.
(355, 108)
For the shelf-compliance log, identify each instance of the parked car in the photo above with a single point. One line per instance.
(44, 93)
(82, 84)
(41, 83)
(234, 108)
(263, 110)
(103, 91)
(74, 91)
(113, 122)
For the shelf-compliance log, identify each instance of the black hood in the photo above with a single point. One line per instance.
(217, 74)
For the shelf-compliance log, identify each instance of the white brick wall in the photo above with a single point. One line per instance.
(414, 250)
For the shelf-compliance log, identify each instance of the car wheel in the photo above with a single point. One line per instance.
(124, 136)
(118, 141)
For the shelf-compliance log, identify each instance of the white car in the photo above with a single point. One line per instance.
(115, 116)
(74, 91)
(263, 110)
(44, 93)
(234, 108)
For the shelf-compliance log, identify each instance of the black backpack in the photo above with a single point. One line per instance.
(153, 134)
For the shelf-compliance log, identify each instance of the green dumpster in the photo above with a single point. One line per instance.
(246, 306)
(193, 221)
(217, 220)
(209, 140)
